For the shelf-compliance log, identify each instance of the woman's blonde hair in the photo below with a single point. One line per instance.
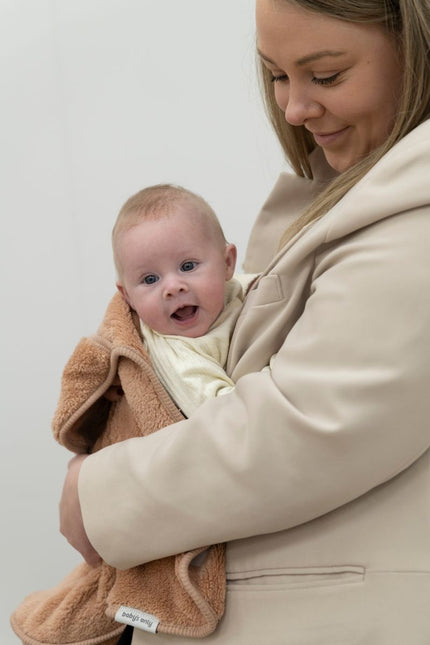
(409, 22)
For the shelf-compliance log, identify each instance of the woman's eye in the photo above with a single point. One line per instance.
(150, 279)
(189, 265)
(277, 78)
(328, 80)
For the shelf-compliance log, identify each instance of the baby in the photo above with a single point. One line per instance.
(175, 270)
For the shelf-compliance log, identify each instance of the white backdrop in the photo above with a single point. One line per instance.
(98, 99)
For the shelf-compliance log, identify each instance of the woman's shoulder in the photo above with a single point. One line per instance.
(397, 183)
(289, 197)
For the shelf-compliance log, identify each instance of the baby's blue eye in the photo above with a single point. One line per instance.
(150, 279)
(189, 265)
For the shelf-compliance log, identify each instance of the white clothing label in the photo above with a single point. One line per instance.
(137, 618)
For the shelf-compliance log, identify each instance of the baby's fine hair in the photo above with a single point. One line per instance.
(160, 200)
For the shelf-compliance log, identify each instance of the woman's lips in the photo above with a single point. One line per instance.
(324, 139)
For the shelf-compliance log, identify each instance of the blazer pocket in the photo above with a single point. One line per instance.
(268, 289)
(295, 578)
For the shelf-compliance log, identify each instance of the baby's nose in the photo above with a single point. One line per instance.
(174, 286)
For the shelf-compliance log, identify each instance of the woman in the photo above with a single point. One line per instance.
(317, 472)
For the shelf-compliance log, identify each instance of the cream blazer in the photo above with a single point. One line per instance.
(317, 471)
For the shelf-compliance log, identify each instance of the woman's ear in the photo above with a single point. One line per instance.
(230, 257)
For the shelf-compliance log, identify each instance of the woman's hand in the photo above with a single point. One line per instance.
(71, 523)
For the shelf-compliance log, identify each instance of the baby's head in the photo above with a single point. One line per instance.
(172, 260)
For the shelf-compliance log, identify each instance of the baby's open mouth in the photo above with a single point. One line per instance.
(184, 313)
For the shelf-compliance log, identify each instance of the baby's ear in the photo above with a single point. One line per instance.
(123, 292)
(230, 256)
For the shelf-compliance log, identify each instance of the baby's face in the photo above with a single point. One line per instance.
(174, 271)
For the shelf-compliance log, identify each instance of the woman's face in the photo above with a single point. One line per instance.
(340, 80)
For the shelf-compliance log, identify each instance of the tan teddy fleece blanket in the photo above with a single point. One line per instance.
(110, 393)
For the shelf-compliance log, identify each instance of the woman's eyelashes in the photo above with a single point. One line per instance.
(280, 77)
(325, 80)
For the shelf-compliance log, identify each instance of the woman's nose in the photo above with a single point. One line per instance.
(298, 105)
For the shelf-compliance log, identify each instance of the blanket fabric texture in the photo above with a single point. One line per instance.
(110, 393)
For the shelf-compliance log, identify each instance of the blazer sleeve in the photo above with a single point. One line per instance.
(344, 408)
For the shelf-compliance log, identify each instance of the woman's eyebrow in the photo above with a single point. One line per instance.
(266, 58)
(309, 58)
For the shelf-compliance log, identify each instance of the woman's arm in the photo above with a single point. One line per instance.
(344, 408)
